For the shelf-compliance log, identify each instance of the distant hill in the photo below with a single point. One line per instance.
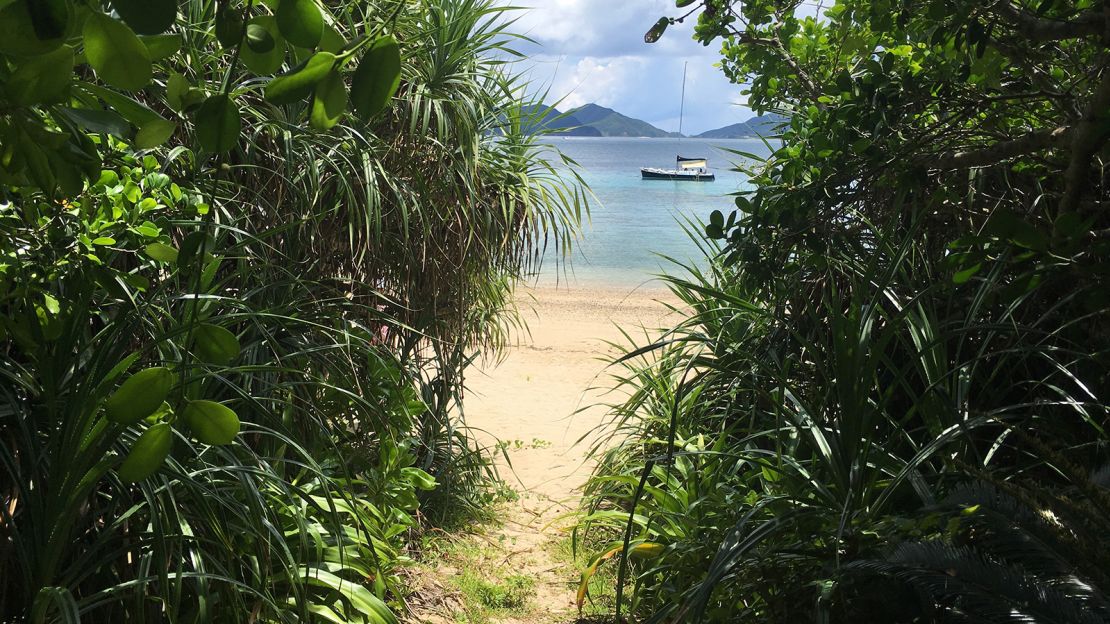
(564, 125)
(592, 120)
(764, 125)
(613, 124)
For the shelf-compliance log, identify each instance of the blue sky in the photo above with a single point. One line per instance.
(591, 51)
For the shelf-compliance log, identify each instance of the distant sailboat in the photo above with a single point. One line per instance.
(688, 169)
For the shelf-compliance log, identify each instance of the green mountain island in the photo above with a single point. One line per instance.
(593, 120)
(761, 126)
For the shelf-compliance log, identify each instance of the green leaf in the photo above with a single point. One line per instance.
(148, 453)
(717, 219)
(139, 395)
(211, 422)
(98, 121)
(147, 17)
(25, 34)
(377, 78)
(197, 242)
(229, 27)
(134, 111)
(329, 103)
(656, 31)
(300, 82)
(117, 55)
(419, 479)
(259, 39)
(215, 345)
(161, 252)
(300, 22)
(42, 79)
(161, 46)
(154, 133)
(218, 124)
(269, 61)
(962, 276)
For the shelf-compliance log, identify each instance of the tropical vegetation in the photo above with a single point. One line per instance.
(246, 251)
(887, 399)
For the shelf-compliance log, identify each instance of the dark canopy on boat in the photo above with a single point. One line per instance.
(691, 163)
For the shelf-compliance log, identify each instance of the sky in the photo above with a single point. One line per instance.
(590, 51)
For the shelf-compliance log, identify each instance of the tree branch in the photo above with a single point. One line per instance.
(1036, 141)
(1090, 135)
(1087, 24)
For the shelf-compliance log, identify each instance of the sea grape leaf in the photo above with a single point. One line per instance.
(98, 120)
(215, 345)
(329, 102)
(269, 61)
(147, 17)
(116, 53)
(299, 83)
(42, 79)
(211, 422)
(161, 46)
(148, 453)
(300, 22)
(218, 124)
(229, 27)
(656, 31)
(154, 133)
(25, 34)
(259, 39)
(139, 395)
(377, 78)
(161, 252)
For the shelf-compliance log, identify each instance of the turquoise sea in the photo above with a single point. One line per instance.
(633, 221)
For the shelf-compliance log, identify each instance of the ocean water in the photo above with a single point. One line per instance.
(634, 222)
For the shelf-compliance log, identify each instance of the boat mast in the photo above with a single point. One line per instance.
(682, 102)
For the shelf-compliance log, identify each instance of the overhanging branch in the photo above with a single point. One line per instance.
(1036, 141)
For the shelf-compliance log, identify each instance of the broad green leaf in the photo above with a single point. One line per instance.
(42, 79)
(269, 61)
(154, 133)
(117, 55)
(218, 124)
(211, 422)
(215, 345)
(419, 478)
(134, 111)
(176, 86)
(98, 121)
(148, 453)
(161, 46)
(964, 275)
(147, 17)
(161, 252)
(259, 39)
(329, 102)
(139, 395)
(197, 242)
(656, 31)
(24, 34)
(229, 27)
(359, 597)
(300, 82)
(300, 22)
(377, 78)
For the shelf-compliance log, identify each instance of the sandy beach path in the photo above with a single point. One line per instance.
(541, 395)
(538, 402)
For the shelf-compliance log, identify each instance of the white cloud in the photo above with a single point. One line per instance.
(594, 52)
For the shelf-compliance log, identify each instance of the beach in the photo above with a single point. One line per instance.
(544, 403)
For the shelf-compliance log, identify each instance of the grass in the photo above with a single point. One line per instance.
(470, 567)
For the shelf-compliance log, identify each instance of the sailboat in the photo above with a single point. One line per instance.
(688, 169)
